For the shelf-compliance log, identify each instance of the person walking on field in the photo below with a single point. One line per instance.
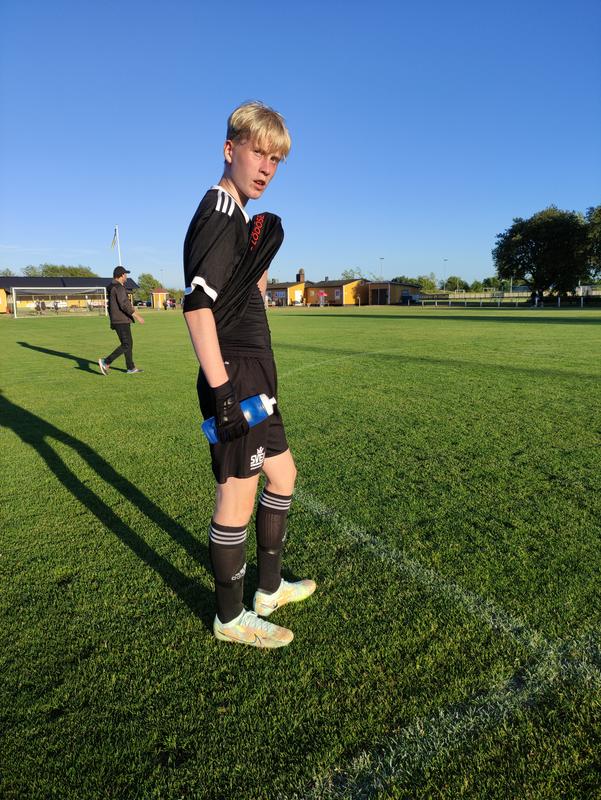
(121, 314)
(226, 257)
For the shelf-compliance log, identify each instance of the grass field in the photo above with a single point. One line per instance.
(448, 504)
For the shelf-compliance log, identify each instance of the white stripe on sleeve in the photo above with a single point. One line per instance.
(199, 281)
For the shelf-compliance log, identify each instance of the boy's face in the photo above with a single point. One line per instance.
(250, 168)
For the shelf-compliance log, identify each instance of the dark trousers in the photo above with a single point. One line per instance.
(126, 347)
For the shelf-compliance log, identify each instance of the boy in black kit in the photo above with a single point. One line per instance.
(226, 258)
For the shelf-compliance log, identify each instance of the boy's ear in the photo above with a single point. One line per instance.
(228, 149)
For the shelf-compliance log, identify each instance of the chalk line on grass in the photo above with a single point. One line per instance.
(417, 746)
(495, 617)
(407, 753)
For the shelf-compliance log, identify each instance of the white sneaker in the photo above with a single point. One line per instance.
(104, 367)
(265, 604)
(247, 628)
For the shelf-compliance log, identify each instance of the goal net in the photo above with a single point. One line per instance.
(32, 301)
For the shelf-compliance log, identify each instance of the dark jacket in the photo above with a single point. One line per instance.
(121, 310)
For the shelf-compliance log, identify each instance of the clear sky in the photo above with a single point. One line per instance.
(419, 130)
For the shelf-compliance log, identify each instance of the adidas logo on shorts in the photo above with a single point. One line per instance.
(256, 460)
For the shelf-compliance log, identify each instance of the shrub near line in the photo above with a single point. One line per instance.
(466, 444)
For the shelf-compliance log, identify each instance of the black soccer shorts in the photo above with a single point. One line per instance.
(244, 457)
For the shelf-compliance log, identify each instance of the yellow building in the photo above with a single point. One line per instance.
(159, 297)
(287, 294)
(386, 293)
(337, 293)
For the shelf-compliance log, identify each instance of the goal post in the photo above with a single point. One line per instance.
(41, 301)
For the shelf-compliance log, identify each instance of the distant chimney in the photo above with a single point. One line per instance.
(300, 276)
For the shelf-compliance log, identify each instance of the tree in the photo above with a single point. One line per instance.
(58, 271)
(547, 252)
(427, 283)
(177, 294)
(491, 283)
(147, 283)
(476, 286)
(454, 284)
(351, 274)
(593, 219)
(63, 271)
(6, 273)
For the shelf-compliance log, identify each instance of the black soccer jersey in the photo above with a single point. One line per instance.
(223, 259)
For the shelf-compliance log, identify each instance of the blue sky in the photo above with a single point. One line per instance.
(419, 131)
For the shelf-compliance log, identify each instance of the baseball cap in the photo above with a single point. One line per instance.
(119, 271)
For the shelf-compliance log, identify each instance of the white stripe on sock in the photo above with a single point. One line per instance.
(227, 537)
(271, 501)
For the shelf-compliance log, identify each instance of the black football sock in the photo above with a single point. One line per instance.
(227, 549)
(272, 514)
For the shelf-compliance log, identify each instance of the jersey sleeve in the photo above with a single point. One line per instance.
(209, 256)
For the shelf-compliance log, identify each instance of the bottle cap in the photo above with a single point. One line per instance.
(268, 403)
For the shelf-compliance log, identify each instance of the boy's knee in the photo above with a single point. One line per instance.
(283, 483)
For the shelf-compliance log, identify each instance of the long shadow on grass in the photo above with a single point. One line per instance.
(82, 363)
(35, 431)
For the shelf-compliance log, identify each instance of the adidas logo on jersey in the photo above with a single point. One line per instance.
(256, 460)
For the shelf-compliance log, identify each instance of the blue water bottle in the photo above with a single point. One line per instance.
(255, 409)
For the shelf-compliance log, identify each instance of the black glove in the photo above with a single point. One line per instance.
(231, 422)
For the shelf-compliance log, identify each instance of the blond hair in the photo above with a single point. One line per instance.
(259, 123)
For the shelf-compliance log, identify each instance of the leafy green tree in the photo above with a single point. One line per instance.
(63, 271)
(547, 252)
(147, 283)
(454, 284)
(58, 271)
(491, 283)
(6, 273)
(351, 274)
(427, 283)
(177, 294)
(476, 286)
(593, 219)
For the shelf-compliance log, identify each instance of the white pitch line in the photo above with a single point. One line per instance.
(495, 617)
(407, 753)
(417, 746)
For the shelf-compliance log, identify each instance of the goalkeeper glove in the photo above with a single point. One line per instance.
(231, 422)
